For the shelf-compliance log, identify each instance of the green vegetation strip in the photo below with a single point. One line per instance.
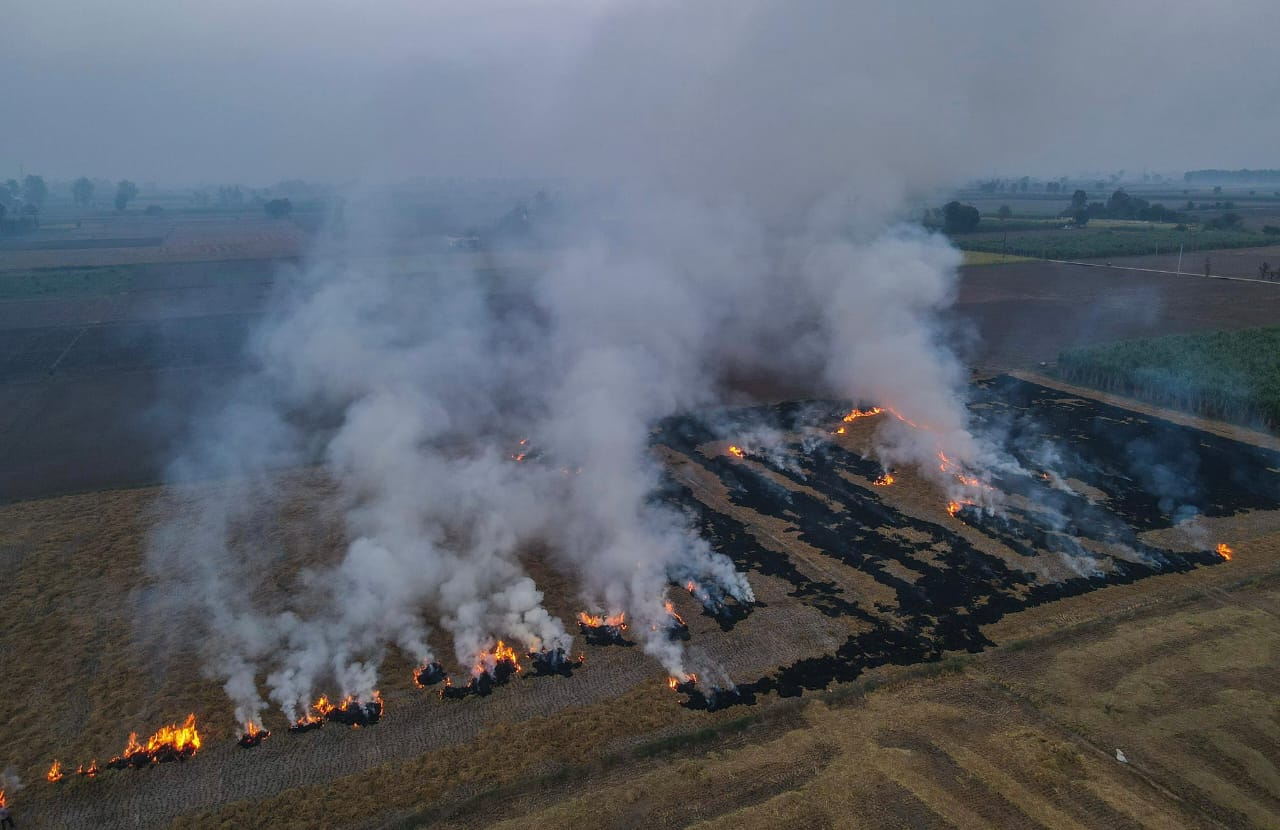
(1086, 243)
(1232, 375)
(63, 283)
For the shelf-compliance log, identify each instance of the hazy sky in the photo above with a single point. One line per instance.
(714, 91)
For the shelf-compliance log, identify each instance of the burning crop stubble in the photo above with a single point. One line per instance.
(758, 251)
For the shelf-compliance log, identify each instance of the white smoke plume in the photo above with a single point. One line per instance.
(755, 175)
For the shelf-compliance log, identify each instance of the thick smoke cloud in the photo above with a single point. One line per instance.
(755, 158)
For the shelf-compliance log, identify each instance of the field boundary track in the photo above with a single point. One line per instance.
(1222, 429)
(1192, 274)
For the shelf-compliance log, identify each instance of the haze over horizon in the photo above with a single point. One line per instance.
(258, 92)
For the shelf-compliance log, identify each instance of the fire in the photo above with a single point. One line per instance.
(735, 450)
(618, 621)
(169, 743)
(675, 683)
(904, 419)
(504, 662)
(1225, 551)
(4, 802)
(503, 653)
(953, 507)
(671, 609)
(54, 775)
(90, 771)
(518, 457)
(316, 714)
(885, 480)
(322, 707)
(855, 414)
(839, 431)
(253, 735)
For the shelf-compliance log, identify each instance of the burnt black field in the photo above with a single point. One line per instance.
(1151, 473)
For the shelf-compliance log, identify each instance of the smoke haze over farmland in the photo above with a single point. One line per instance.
(750, 163)
(745, 93)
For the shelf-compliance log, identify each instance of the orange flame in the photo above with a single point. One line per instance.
(54, 775)
(618, 620)
(1225, 551)
(855, 414)
(502, 653)
(673, 683)
(318, 712)
(182, 740)
(3, 801)
(953, 507)
(89, 771)
(518, 457)
(322, 707)
(252, 729)
(839, 431)
(885, 480)
(671, 609)
(735, 450)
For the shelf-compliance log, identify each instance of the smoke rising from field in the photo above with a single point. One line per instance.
(756, 162)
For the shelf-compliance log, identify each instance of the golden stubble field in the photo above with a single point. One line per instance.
(1177, 671)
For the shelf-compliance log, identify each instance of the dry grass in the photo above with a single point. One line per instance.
(1177, 670)
(986, 258)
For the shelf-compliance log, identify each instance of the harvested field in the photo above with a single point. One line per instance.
(1018, 656)
(1019, 315)
(1241, 262)
(137, 240)
(1026, 313)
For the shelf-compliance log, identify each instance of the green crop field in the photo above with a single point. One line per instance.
(1231, 375)
(1090, 242)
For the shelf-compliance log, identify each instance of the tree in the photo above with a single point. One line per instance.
(1079, 201)
(278, 208)
(1004, 212)
(958, 218)
(34, 190)
(125, 191)
(82, 191)
(1081, 217)
(1119, 205)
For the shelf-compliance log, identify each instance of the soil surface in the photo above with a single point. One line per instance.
(855, 583)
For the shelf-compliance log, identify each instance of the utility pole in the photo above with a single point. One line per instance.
(1179, 260)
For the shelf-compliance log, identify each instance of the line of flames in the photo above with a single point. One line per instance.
(618, 621)
(323, 707)
(181, 739)
(1225, 551)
